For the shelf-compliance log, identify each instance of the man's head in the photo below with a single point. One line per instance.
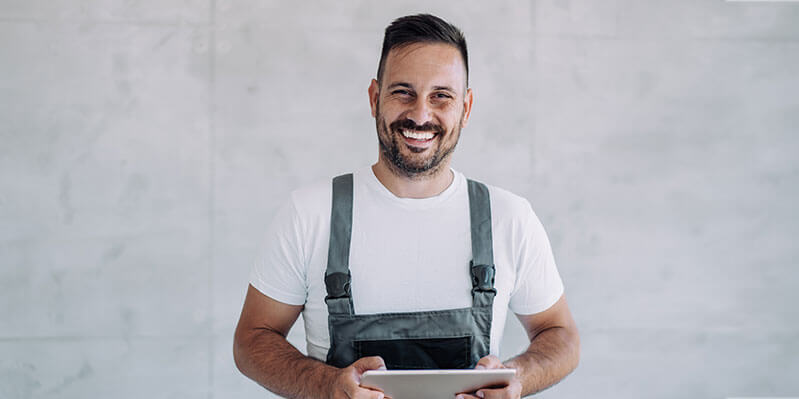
(420, 99)
(422, 28)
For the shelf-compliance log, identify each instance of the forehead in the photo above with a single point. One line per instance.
(425, 64)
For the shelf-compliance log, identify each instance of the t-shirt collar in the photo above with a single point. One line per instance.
(367, 175)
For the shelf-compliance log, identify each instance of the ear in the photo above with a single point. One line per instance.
(468, 99)
(374, 93)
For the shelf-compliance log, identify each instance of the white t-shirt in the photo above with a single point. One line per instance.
(406, 255)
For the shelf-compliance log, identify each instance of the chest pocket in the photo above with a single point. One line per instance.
(422, 353)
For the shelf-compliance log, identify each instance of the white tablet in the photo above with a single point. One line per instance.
(434, 384)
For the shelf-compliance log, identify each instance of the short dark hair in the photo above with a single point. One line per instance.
(422, 28)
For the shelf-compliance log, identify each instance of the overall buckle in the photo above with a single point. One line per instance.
(338, 285)
(483, 278)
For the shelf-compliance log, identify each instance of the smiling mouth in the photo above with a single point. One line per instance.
(417, 138)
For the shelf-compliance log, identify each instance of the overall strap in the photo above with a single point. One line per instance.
(337, 275)
(482, 264)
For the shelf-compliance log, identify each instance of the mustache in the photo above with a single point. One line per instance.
(408, 124)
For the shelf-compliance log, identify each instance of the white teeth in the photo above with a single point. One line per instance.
(417, 135)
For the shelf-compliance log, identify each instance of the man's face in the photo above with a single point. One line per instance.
(420, 107)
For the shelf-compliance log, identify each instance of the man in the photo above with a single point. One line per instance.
(406, 264)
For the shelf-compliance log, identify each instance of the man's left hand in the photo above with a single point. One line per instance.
(512, 391)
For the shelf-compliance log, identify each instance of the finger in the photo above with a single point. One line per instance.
(489, 394)
(489, 362)
(368, 394)
(465, 396)
(499, 393)
(369, 363)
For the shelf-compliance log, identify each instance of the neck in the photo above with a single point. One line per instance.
(416, 187)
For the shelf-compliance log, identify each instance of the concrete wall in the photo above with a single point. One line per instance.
(144, 146)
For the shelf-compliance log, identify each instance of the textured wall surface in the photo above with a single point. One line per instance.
(144, 146)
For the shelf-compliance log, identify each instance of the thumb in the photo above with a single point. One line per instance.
(369, 363)
(489, 362)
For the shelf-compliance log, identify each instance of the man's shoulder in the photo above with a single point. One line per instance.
(507, 203)
(316, 196)
(512, 215)
(313, 198)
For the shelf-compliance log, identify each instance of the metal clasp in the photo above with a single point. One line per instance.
(483, 278)
(338, 285)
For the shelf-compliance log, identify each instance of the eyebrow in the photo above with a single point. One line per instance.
(401, 84)
(445, 88)
(409, 86)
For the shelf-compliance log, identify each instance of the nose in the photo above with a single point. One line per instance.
(420, 112)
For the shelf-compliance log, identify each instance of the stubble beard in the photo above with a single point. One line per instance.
(391, 143)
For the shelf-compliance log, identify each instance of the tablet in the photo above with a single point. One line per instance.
(434, 384)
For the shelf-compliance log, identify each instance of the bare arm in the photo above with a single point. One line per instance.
(553, 353)
(554, 349)
(262, 353)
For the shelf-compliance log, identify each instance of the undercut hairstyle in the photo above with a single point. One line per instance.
(421, 28)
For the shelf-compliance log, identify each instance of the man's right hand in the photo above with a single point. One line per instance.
(348, 381)
(262, 353)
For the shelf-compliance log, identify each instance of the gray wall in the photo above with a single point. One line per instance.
(144, 146)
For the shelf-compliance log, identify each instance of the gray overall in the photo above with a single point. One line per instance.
(441, 339)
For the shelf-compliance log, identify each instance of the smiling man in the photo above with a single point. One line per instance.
(424, 131)
(406, 264)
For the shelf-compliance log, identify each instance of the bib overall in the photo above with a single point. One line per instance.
(441, 339)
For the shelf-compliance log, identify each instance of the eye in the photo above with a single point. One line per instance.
(443, 96)
(401, 92)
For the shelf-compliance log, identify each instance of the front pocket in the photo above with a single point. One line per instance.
(419, 353)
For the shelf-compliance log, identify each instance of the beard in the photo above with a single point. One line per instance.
(415, 164)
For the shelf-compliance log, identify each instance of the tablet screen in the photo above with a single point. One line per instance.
(434, 384)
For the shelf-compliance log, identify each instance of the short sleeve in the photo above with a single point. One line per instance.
(538, 285)
(280, 268)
